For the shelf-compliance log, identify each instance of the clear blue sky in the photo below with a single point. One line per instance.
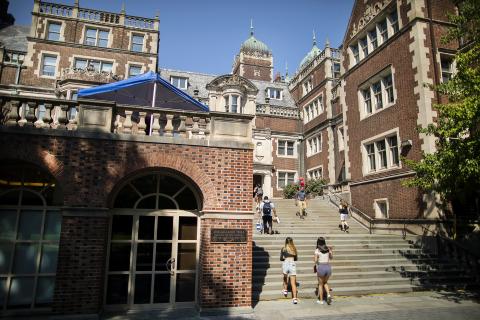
(204, 36)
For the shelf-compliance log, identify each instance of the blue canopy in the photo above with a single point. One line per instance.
(140, 90)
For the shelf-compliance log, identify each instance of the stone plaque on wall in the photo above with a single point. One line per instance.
(228, 236)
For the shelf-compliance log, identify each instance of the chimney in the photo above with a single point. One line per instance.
(278, 77)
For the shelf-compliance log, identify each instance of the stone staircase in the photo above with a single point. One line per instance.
(363, 263)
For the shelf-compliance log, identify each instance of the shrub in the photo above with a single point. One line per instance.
(315, 187)
(290, 190)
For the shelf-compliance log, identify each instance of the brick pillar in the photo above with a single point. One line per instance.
(81, 263)
(225, 268)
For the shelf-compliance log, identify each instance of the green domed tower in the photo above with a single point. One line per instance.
(254, 61)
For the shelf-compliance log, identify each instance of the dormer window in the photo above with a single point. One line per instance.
(274, 93)
(232, 103)
(179, 82)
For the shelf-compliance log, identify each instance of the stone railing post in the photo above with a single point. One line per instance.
(182, 128)
(30, 115)
(169, 126)
(142, 126)
(207, 127)
(12, 117)
(196, 128)
(156, 124)
(63, 116)
(47, 118)
(23, 113)
(117, 124)
(127, 125)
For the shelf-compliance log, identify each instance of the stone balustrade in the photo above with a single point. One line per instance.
(62, 10)
(280, 111)
(123, 120)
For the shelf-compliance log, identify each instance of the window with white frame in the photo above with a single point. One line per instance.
(377, 94)
(97, 65)
(446, 62)
(54, 31)
(96, 37)
(336, 70)
(179, 82)
(341, 139)
(313, 109)
(232, 103)
(369, 40)
(381, 208)
(49, 65)
(315, 174)
(307, 86)
(382, 154)
(275, 93)
(285, 179)
(286, 148)
(314, 145)
(134, 70)
(137, 42)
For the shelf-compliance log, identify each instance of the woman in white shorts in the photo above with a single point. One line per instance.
(343, 210)
(322, 257)
(288, 255)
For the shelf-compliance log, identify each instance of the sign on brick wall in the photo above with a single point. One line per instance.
(228, 235)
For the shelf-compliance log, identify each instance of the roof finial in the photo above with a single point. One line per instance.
(123, 7)
(251, 26)
(314, 38)
(76, 4)
(327, 43)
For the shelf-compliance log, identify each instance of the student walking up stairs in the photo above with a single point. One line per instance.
(363, 263)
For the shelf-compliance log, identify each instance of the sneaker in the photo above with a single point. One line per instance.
(295, 301)
(329, 300)
(320, 301)
(285, 293)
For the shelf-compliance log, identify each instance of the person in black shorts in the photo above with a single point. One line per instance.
(267, 208)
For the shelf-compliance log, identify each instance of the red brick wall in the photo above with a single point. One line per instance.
(8, 74)
(248, 65)
(81, 265)
(226, 269)
(404, 202)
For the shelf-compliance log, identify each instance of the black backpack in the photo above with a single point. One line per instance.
(267, 208)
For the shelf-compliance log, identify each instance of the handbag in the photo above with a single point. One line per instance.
(314, 268)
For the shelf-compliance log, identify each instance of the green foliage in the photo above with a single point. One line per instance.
(290, 190)
(314, 187)
(454, 169)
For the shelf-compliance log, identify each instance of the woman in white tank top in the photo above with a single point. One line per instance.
(322, 257)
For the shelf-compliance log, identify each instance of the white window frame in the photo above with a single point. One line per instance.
(307, 86)
(177, 79)
(275, 91)
(313, 109)
(315, 173)
(47, 36)
(130, 66)
(43, 65)
(285, 172)
(452, 67)
(314, 145)
(133, 43)
(97, 36)
(228, 100)
(378, 212)
(363, 46)
(385, 92)
(285, 142)
(389, 150)
(90, 60)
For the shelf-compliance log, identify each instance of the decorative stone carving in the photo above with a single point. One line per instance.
(371, 12)
(234, 80)
(88, 74)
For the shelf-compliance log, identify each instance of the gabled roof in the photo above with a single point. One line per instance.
(140, 90)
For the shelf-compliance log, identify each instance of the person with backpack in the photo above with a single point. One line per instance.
(322, 256)
(266, 209)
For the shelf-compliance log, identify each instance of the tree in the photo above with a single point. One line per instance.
(453, 171)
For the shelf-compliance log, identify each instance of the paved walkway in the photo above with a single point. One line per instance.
(408, 306)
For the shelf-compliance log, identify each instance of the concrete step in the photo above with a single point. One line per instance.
(341, 252)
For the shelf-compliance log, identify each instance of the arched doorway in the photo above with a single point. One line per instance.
(30, 226)
(153, 242)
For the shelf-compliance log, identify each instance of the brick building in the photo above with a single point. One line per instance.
(95, 217)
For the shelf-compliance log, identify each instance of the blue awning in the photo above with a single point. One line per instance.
(140, 91)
